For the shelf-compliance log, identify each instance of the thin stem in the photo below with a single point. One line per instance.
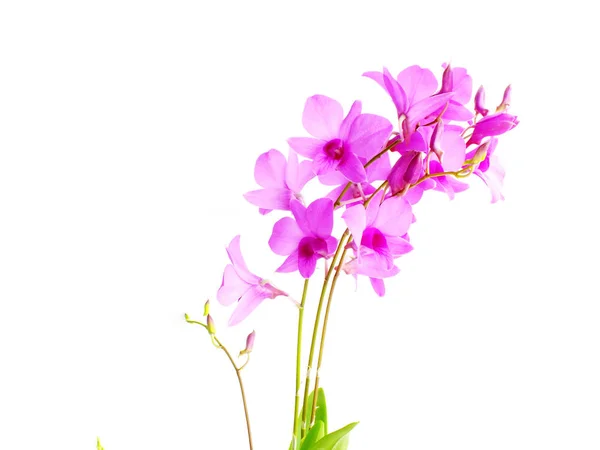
(296, 429)
(313, 342)
(237, 372)
(324, 331)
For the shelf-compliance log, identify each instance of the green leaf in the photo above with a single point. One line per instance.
(338, 440)
(316, 432)
(320, 414)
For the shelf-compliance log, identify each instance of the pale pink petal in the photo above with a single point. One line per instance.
(269, 170)
(290, 264)
(425, 107)
(235, 255)
(297, 174)
(274, 198)
(285, 236)
(333, 179)
(378, 286)
(453, 147)
(307, 147)
(248, 303)
(319, 217)
(356, 221)
(354, 112)
(394, 217)
(351, 167)
(368, 135)
(399, 246)
(418, 83)
(462, 85)
(396, 91)
(494, 178)
(232, 287)
(456, 111)
(379, 169)
(373, 209)
(322, 117)
(299, 212)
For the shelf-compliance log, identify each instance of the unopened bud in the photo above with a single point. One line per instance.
(406, 171)
(206, 308)
(210, 324)
(447, 80)
(480, 102)
(505, 100)
(480, 153)
(249, 344)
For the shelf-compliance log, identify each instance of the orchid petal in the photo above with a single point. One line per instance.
(322, 117)
(305, 146)
(232, 287)
(425, 107)
(269, 170)
(235, 256)
(290, 264)
(418, 83)
(354, 112)
(394, 217)
(248, 303)
(378, 286)
(274, 198)
(356, 221)
(319, 217)
(285, 236)
(351, 167)
(299, 212)
(368, 134)
(297, 174)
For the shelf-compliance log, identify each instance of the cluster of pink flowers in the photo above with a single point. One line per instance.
(372, 174)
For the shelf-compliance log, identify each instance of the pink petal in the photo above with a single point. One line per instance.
(290, 264)
(356, 221)
(299, 212)
(297, 174)
(396, 91)
(319, 216)
(463, 85)
(307, 147)
(351, 167)
(373, 208)
(394, 217)
(354, 112)
(425, 107)
(232, 287)
(418, 83)
(322, 117)
(269, 170)
(368, 135)
(399, 246)
(324, 164)
(285, 236)
(379, 169)
(378, 286)
(453, 146)
(235, 255)
(248, 303)
(270, 198)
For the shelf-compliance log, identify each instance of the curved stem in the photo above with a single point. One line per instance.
(296, 429)
(238, 371)
(313, 341)
(324, 331)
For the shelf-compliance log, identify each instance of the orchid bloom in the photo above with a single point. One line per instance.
(240, 285)
(379, 233)
(281, 180)
(339, 142)
(413, 95)
(305, 238)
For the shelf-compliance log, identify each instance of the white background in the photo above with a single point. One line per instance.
(128, 133)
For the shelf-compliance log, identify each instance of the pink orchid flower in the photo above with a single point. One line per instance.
(305, 238)
(281, 180)
(240, 285)
(338, 142)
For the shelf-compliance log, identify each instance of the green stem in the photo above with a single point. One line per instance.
(296, 429)
(238, 371)
(313, 341)
(324, 331)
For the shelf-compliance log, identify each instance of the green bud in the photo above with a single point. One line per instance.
(210, 324)
(206, 308)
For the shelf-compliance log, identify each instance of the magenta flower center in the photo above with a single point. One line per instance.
(334, 149)
(374, 239)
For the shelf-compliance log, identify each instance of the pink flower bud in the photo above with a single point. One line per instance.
(493, 125)
(210, 324)
(480, 153)
(406, 171)
(479, 102)
(447, 80)
(249, 344)
(206, 308)
(505, 100)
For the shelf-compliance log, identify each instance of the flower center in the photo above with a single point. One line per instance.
(334, 149)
